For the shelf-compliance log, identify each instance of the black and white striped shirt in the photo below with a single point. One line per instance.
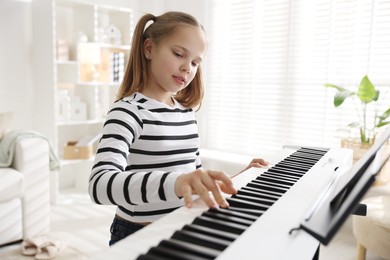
(145, 146)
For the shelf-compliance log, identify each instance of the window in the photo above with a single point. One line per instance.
(268, 62)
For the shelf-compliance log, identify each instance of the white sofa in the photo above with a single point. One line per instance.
(25, 192)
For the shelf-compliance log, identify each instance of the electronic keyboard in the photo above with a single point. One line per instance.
(260, 221)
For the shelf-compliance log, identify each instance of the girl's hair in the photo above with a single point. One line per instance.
(137, 70)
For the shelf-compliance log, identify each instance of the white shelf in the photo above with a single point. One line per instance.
(83, 84)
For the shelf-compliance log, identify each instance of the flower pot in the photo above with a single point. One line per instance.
(359, 149)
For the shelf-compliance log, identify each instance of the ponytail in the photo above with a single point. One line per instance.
(135, 75)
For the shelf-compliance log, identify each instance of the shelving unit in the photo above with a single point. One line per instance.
(86, 35)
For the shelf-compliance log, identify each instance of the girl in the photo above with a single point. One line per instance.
(148, 160)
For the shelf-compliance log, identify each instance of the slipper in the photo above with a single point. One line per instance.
(31, 246)
(52, 249)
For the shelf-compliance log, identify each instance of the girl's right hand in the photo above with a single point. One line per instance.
(201, 182)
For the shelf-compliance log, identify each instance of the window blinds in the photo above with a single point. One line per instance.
(268, 62)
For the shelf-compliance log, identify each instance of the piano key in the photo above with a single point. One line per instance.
(305, 156)
(261, 201)
(297, 166)
(265, 193)
(254, 212)
(186, 247)
(161, 254)
(220, 224)
(281, 176)
(266, 187)
(246, 204)
(184, 250)
(301, 160)
(234, 213)
(257, 194)
(275, 185)
(201, 239)
(317, 150)
(308, 155)
(297, 159)
(212, 232)
(287, 172)
(274, 179)
(224, 217)
(282, 168)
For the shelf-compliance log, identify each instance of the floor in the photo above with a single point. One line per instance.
(85, 226)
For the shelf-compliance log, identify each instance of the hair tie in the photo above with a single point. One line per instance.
(149, 23)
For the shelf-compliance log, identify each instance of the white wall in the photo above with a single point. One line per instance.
(16, 82)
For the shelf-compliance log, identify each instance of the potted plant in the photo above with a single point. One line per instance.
(367, 97)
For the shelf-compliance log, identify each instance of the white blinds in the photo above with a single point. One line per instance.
(268, 62)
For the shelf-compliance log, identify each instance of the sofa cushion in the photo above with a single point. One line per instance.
(11, 184)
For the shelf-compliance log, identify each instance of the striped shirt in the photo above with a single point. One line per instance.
(145, 146)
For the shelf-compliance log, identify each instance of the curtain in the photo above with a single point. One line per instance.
(267, 64)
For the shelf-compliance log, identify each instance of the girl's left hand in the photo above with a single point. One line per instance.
(256, 162)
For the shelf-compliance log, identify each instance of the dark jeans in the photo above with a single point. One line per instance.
(121, 228)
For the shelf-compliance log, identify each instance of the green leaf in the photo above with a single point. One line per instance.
(380, 124)
(366, 91)
(354, 124)
(328, 85)
(340, 96)
(385, 115)
(376, 96)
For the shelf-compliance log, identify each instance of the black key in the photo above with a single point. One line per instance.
(211, 232)
(284, 169)
(317, 151)
(254, 212)
(313, 159)
(219, 224)
(263, 202)
(281, 176)
(300, 165)
(245, 204)
(265, 193)
(186, 247)
(264, 187)
(307, 161)
(173, 254)
(153, 256)
(233, 213)
(275, 179)
(257, 194)
(274, 185)
(311, 156)
(224, 217)
(201, 239)
(297, 166)
(287, 172)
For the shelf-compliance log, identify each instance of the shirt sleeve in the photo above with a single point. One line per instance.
(110, 182)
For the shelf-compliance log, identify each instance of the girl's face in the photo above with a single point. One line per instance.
(173, 63)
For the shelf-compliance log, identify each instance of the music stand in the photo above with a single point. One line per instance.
(344, 193)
